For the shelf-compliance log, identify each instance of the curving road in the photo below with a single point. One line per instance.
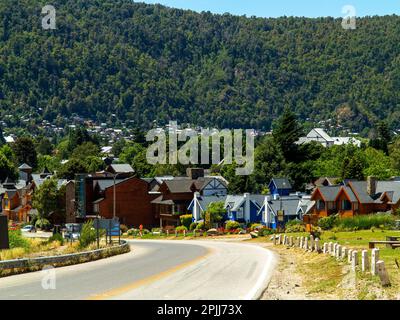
(156, 270)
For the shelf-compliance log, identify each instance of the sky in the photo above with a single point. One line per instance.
(278, 8)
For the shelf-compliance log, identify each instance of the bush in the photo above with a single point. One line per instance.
(124, 228)
(232, 225)
(255, 226)
(366, 222)
(17, 240)
(133, 232)
(88, 235)
(156, 230)
(327, 223)
(186, 220)
(56, 237)
(200, 226)
(293, 228)
(265, 232)
(316, 232)
(181, 229)
(43, 224)
(193, 226)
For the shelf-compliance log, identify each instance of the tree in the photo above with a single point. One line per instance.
(215, 212)
(84, 150)
(44, 146)
(383, 138)
(46, 200)
(25, 152)
(353, 168)
(286, 132)
(71, 168)
(7, 168)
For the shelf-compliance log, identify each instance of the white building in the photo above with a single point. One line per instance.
(319, 135)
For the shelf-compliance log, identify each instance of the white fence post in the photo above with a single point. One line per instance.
(317, 247)
(326, 247)
(364, 261)
(374, 260)
(354, 260)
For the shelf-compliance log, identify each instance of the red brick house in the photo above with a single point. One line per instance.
(133, 201)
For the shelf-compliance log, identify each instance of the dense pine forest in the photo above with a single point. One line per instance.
(148, 62)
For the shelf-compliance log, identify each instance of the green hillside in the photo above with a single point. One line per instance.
(145, 62)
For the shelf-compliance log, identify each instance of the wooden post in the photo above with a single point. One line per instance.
(354, 260)
(374, 260)
(274, 239)
(317, 247)
(350, 256)
(280, 239)
(364, 261)
(306, 244)
(344, 253)
(301, 242)
(383, 274)
(311, 242)
(338, 252)
(326, 247)
(291, 241)
(330, 248)
(284, 240)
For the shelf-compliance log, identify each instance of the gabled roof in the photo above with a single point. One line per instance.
(234, 202)
(281, 183)
(320, 132)
(122, 168)
(204, 201)
(331, 181)
(289, 205)
(348, 192)
(106, 183)
(328, 193)
(24, 166)
(179, 186)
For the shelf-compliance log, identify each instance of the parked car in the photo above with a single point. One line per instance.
(28, 228)
(72, 231)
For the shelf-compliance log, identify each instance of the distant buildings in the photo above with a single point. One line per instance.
(320, 136)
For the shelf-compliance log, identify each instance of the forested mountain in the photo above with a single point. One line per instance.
(146, 62)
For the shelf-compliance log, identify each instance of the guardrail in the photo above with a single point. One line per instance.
(9, 267)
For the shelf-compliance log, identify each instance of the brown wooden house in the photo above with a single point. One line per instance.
(355, 198)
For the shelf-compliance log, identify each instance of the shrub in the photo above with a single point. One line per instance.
(186, 220)
(293, 222)
(193, 226)
(88, 235)
(255, 226)
(327, 223)
(316, 232)
(366, 222)
(293, 228)
(56, 237)
(17, 240)
(200, 226)
(156, 230)
(123, 228)
(232, 225)
(265, 232)
(133, 232)
(181, 229)
(43, 224)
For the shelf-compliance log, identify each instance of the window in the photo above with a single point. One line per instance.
(346, 205)
(239, 214)
(320, 205)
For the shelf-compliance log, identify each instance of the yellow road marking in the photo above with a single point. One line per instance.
(119, 291)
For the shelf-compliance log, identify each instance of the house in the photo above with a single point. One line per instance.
(16, 200)
(200, 203)
(320, 136)
(244, 208)
(280, 187)
(175, 195)
(326, 181)
(355, 198)
(120, 169)
(132, 201)
(277, 211)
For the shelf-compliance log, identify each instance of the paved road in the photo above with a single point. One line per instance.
(156, 270)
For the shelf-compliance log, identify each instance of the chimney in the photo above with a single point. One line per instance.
(195, 173)
(371, 186)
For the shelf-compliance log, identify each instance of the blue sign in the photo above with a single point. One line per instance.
(115, 229)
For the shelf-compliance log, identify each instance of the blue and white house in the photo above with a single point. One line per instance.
(241, 208)
(277, 211)
(280, 187)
